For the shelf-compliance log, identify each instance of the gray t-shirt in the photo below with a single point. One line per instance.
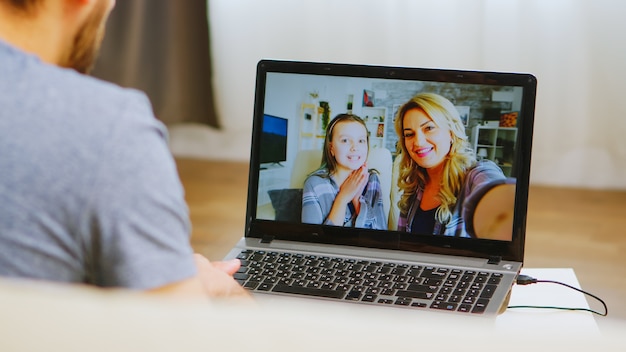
(89, 191)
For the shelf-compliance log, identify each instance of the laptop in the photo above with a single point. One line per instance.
(469, 270)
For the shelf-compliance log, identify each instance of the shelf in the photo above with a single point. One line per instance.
(372, 115)
(498, 143)
(309, 136)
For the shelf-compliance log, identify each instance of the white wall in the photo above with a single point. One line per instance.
(575, 48)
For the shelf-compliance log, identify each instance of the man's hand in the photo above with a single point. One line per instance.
(213, 280)
(217, 277)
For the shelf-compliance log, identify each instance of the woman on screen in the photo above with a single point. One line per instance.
(439, 175)
(343, 192)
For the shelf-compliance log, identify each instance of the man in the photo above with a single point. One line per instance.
(89, 192)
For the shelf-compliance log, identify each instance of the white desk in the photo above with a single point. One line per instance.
(548, 294)
(41, 317)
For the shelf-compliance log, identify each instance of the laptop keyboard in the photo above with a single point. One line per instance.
(373, 282)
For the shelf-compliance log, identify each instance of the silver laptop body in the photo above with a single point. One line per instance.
(283, 256)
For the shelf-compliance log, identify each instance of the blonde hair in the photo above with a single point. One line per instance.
(460, 158)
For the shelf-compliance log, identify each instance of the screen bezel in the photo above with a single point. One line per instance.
(506, 250)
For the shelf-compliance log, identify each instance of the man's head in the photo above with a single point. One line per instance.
(83, 27)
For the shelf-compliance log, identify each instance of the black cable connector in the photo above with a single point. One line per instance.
(527, 280)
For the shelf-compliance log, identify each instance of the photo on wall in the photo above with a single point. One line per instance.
(464, 113)
(368, 98)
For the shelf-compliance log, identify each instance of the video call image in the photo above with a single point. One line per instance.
(428, 158)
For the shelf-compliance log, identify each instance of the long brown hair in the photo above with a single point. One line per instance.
(460, 158)
(328, 161)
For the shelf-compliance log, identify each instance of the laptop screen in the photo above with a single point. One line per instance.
(388, 157)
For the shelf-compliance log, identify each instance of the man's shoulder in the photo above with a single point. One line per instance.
(90, 92)
(29, 82)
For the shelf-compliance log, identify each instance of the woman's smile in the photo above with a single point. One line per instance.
(423, 152)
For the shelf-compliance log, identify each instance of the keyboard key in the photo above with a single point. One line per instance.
(353, 295)
(469, 300)
(422, 288)
(343, 287)
(264, 287)
(383, 270)
(368, 298)
(313, 284)
(403, 301)
(308, 291)
(240, 276)
(433, 274)
(459, 292)
(327, 286)
(399, 286)
(251, 285)
(467, 278)
(443, 305)
(398, 271)
(370, 268)
(387, 292)
(494, 280)
(372, 290)
(446, 291)
(465, 308)
(354, 267)
(270, 280)
(415, 294)
(481, 306)
(449, 283)
(488, 291)
(480, 279)
(455, 299)
(285, 281)
(472, 293)
(432, 282)
(476, 286)
(413, 272)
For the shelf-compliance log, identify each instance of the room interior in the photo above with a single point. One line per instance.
(574, 47)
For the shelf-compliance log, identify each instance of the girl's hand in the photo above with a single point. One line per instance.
(349, 192)
(353, 186)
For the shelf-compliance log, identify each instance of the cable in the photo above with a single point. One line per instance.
(527, 280)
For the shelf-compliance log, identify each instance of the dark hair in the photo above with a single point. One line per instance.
(328, 161)
(23, 5)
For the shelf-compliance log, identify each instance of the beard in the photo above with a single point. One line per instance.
(82, 54)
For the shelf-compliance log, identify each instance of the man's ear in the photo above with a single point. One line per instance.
(74, 7)
(80, 8)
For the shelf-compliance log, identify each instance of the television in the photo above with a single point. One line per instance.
(273, 140)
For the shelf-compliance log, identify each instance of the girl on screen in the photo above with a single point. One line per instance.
(439, 175)
(343, 192)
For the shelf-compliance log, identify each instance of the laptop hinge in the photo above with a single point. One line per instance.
(496, 259)
(267, 239)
